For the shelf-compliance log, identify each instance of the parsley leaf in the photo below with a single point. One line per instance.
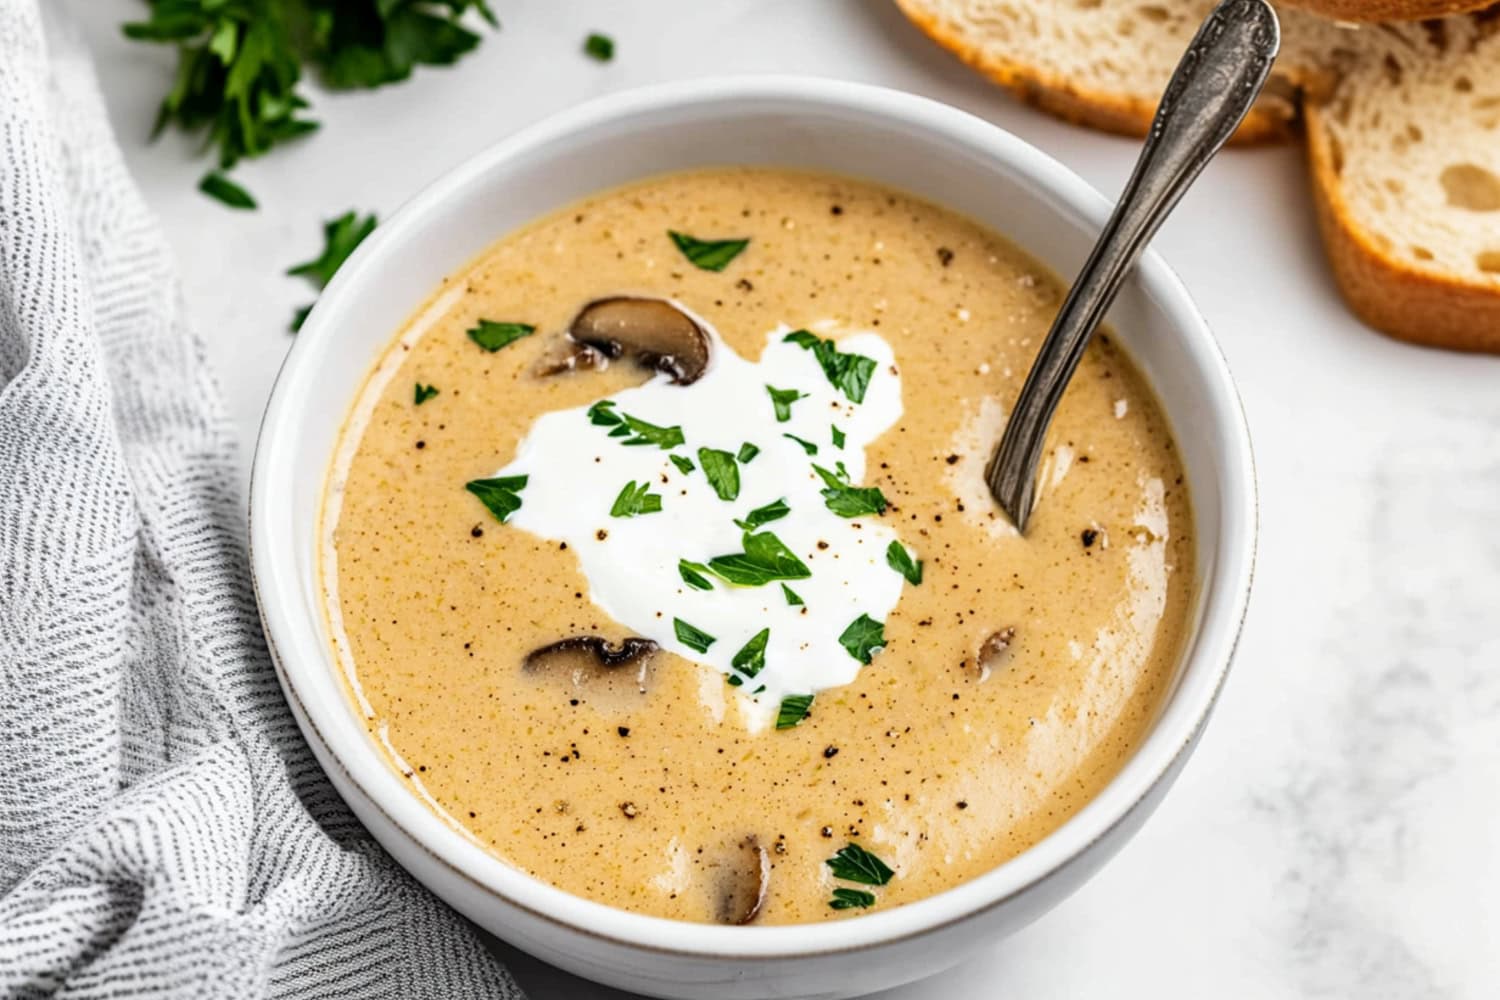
(424, 393)
(846, 500)
(501, 496)
(849, 373)
(850, 899)
(838, 436)
(683, 463)
(221, 188)
(340, 237)
(634, 500)
(901, 561)
(693, 638)
(600, 47)
(765, 559)
(708, 255)
(633, 429)
(807, 446)
(492, 336)
(855, 864)
(782, 400)
(722, 472)
(863, 638)
(794, 709)
(793, 600)
(751, 659)
(747, 452)
(773, 511)
(692, 575)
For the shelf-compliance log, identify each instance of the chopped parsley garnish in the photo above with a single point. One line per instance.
(722, 472)
(634, 430)
(863, 638)
(340, 237)
(693, 638)
(782, 400)
(424, 393)
(747, 452)
(846, 500)
(708, 255)
(773, 511)
(849, 373)
(600, 47)
(683, 463)
(901, 561)
(751, 659)
(222, 189)
(492, 336)
(855, 864)
(692, 575)
(501, 496)
(851, 899)
(634, 500)
(838, 436)
(793, 599)
(765, 560)
(794, 709)
(807, 446)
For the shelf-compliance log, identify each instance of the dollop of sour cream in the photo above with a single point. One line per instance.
(576, 471)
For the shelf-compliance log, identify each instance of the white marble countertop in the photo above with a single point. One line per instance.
(1336, 834)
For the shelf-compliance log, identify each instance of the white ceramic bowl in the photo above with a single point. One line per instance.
(927, 148)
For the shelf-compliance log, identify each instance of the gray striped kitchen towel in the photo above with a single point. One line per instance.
(164, 830)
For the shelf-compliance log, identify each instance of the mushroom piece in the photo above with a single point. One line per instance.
(587, 652)
(743, 881)
(994, 650)
(591, 664)
(653, 332)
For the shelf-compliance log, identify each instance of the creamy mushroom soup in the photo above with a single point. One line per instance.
(659, 559)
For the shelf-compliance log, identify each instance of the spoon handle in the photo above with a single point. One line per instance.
(1210, 92)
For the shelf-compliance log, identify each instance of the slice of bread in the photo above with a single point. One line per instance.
(1387, 10)
(1405, 158)
(1402, 121)
(1105, 63)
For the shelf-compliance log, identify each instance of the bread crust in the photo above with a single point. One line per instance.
(1272, 120)
(1386, 10)
(1389, 294)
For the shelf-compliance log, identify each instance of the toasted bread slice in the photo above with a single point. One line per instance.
(1387, 10)
(1105, 63)
(1405, 158)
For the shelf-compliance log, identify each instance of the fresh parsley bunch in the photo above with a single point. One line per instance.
(240, 63)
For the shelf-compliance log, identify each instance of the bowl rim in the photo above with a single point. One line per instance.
(296, 645)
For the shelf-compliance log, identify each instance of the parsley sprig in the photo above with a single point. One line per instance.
(240, 62)
(900, 560)
(340, 238)
(634, 430)
(636, 499)
(501, 496)
(845, 499)
(849, 373)
(855, 864)
(766, 559)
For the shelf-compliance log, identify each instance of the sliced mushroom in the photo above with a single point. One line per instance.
(652, 332)
(743, 879)
(592, 664)
(587, 652)
(994, 651)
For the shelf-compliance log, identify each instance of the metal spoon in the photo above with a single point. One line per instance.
(1213, 87)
